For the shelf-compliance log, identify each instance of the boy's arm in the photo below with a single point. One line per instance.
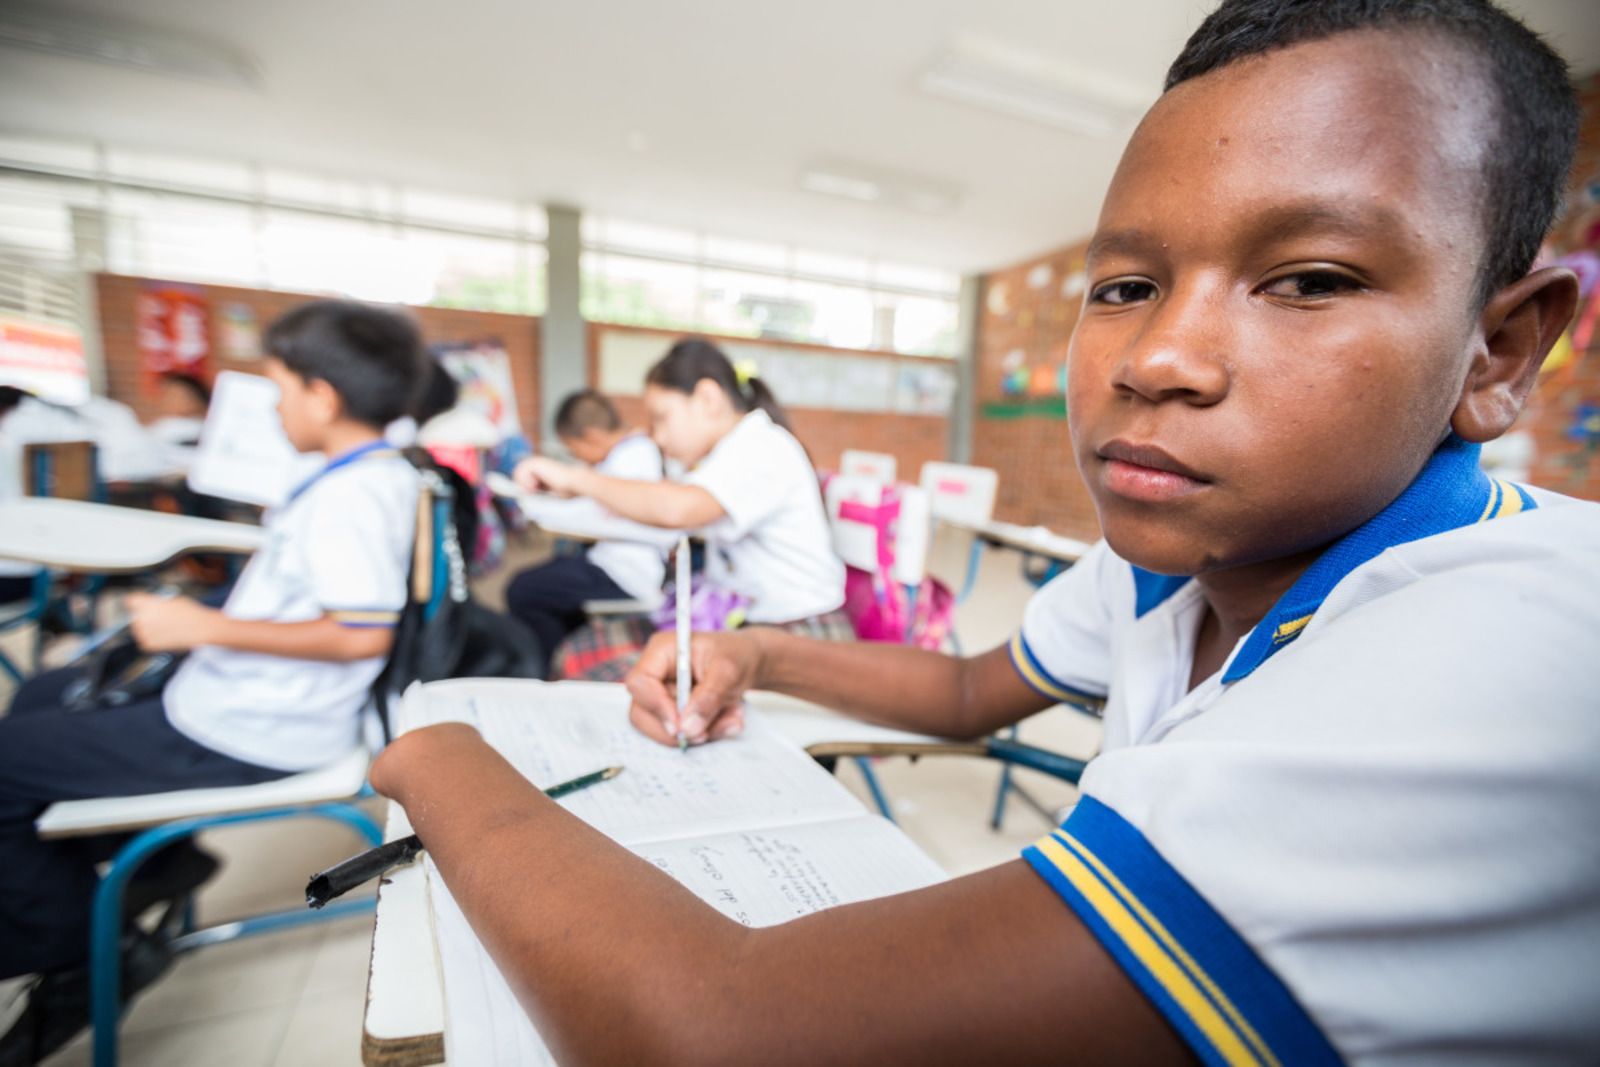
(891, 685)
(668, 504)
(177, 624)
(617, 963)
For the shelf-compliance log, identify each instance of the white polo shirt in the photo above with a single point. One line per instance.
(340, 546)
(1373, 834)
(773, 546)
(637, 568)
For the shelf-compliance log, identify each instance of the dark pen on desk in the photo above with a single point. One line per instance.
(344, 876)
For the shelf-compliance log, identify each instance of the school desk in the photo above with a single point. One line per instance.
(72, 535)
(1045, 553)
(404, 1024)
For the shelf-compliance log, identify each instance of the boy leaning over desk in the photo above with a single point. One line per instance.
(274, 682)
(1345, 808)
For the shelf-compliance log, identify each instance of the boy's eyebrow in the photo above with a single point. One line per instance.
(1275, 223)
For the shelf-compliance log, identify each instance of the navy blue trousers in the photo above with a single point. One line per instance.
(49, 754)
(550, 597)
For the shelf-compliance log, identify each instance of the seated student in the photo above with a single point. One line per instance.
(750, 492)
(275, 681)
(1345, 810)
(181, 404)
(550, 597)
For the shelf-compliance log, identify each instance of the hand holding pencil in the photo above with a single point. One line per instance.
(722, 666)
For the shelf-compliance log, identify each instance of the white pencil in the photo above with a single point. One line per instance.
(681, 592)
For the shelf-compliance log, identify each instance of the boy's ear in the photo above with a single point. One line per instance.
(1520, 324)
(329, 405)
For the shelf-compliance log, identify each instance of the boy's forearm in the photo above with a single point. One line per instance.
(512, 858)
(320, 639)
(891, 685)
(677, 507)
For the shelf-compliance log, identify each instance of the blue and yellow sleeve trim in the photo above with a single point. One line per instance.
(1198, 972)
(364, 618)
(1041, 681)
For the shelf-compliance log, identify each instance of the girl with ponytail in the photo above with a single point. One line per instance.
(750, 492)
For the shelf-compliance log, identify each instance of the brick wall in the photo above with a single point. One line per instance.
(1026, 320)
(912, 439)
(119, 294)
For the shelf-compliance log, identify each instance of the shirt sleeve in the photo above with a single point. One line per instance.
(358, 550)
(751, 478)
(1063, 649)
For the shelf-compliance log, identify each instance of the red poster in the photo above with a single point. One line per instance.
(174, 334)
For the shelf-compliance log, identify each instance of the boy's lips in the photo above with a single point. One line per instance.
(1146, 472)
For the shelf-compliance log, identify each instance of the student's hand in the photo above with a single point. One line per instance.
(723, 665)
(543, 474)
(414, 752)
(169, 624)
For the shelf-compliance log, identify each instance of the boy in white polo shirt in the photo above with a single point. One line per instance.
(1346, 806)
(550, 597)
(276, 680)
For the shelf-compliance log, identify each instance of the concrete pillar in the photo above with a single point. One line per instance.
(563, 355)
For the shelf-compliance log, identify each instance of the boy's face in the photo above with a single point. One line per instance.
(307, 408)
(1280, 312)
(591, 446)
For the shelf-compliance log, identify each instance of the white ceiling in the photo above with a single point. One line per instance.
(697, 113)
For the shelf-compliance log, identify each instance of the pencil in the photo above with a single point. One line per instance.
(344, 876)
(681, 592)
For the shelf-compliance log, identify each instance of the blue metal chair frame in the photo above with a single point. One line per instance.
(105, 931)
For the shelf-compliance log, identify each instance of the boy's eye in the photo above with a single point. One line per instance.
(1311, 284)
(1126, 291)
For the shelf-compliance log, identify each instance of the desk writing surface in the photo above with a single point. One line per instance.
(73, 535)
(1036, 540)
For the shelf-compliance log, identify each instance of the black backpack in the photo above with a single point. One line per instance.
(443, 632)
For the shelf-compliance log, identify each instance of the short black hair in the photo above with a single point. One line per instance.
(1529, 152)
(440, 392)
(372, 356)
(191, 384)
(587, 409)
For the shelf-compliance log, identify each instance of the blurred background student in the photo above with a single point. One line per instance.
(750, 492)
(550, 597)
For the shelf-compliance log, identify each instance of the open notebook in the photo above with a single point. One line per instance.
(753, 827)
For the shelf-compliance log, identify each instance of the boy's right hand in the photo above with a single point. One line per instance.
(724, 665)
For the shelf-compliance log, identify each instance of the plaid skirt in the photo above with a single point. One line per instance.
(605, 649)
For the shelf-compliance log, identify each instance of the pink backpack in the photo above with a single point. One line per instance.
(882, 609)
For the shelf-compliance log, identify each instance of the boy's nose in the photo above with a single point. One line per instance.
(1179, 353)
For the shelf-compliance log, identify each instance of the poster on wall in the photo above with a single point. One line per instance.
(483, 370)
(240, 332)
(172, 323)
(925, 389)
(46, 361)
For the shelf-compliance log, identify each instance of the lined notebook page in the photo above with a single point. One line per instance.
(756, 877)
(557, 731)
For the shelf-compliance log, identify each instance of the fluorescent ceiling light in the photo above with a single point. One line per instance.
(123, 44)
(869, 184)
(1025, 88)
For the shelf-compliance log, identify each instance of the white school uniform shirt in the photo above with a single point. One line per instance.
(340, 546)
(1372, 835)
(638, 569)
(773, 546)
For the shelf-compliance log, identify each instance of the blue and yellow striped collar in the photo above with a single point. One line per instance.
(371, 449)
(1451, 491)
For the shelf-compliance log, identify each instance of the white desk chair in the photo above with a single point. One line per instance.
(963, 495)
(860, 543)
(878, 466)
(162, 818)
